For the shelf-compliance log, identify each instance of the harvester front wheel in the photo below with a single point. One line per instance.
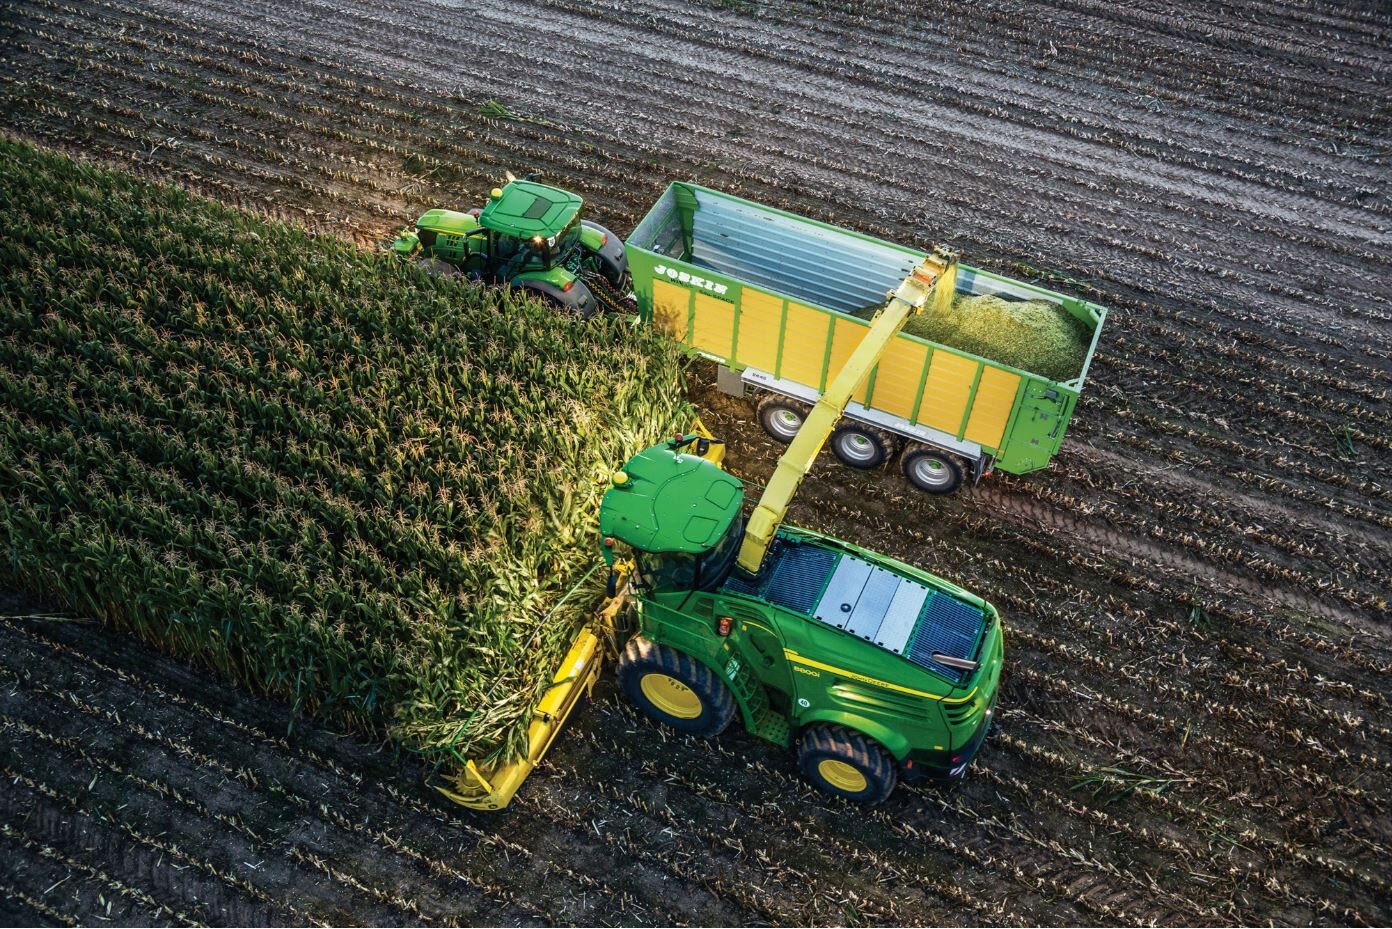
(781, 417)
(930, 470)
(857, 445)
(844, 763)
(673, 688)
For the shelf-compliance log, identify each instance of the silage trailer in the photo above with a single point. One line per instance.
(770, 296)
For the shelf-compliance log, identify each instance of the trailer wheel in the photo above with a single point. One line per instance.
(844, 763)
(673, 688)
(860, 446)
(781, 417)
(930, 470)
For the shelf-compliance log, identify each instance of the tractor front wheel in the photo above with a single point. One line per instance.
(844, 763)
(673, 688)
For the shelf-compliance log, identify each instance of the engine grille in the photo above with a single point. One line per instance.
(948, 626)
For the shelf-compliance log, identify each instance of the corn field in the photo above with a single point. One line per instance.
(327, 476)
(1194, 721)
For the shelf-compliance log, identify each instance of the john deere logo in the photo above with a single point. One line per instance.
(691, 280)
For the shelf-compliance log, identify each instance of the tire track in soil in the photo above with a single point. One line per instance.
(313, 809)
(677, 51)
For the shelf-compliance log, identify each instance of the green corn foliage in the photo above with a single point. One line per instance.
(326, 475)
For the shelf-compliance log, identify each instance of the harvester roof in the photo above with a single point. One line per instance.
(667, 501)
(526, 209)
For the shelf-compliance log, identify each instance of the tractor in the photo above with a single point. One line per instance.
(528, 235)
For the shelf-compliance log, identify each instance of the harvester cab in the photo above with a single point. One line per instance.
(528, 235)
(874, 669)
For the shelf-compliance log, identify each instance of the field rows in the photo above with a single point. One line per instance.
(1193, 723)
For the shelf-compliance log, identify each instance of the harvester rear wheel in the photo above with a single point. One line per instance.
(781, 417)
(930, 470)
(844, 763)
(857, 445)
(673, 688)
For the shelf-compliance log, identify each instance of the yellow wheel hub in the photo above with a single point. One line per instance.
(842, 776)
(671, 696)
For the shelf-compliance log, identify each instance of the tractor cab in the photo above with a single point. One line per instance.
(679, 513)
(532, 226)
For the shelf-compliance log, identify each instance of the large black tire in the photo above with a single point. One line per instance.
(844, 763)
(930, 470)
(781, 417)
(673, 688)
(857, 445)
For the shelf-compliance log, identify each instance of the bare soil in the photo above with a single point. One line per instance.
(1194, 725)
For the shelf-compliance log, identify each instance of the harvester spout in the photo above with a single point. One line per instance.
(934, 280)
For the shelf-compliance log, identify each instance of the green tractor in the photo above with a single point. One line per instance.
(529, 235)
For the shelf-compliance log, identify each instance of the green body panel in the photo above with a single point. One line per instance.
(807, 671)
(592, 238)
(452, 240)
(556, 275)
(448, 221)
(667, 501)
(526, 209)
(787, 665)
(664, 248)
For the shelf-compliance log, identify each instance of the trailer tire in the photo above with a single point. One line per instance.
(781, 417)
(857, 445)
(930, 470)
(844, 763)
(673, 688)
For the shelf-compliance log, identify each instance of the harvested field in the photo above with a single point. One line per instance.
(1194, 724)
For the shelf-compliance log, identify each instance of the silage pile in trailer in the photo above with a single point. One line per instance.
(1037, 336)
(325, 474)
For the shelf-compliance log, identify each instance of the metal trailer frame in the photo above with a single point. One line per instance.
(768, 295)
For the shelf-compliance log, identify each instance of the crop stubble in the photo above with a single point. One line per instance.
(1194, 726)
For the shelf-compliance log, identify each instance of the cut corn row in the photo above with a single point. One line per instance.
(324, 474)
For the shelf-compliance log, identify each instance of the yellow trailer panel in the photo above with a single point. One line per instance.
(947, 390)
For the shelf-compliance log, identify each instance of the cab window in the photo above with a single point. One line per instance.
(667, 570)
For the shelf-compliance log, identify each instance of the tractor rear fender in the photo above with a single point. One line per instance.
(607, 246)
(893, 742)
(578, 298)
